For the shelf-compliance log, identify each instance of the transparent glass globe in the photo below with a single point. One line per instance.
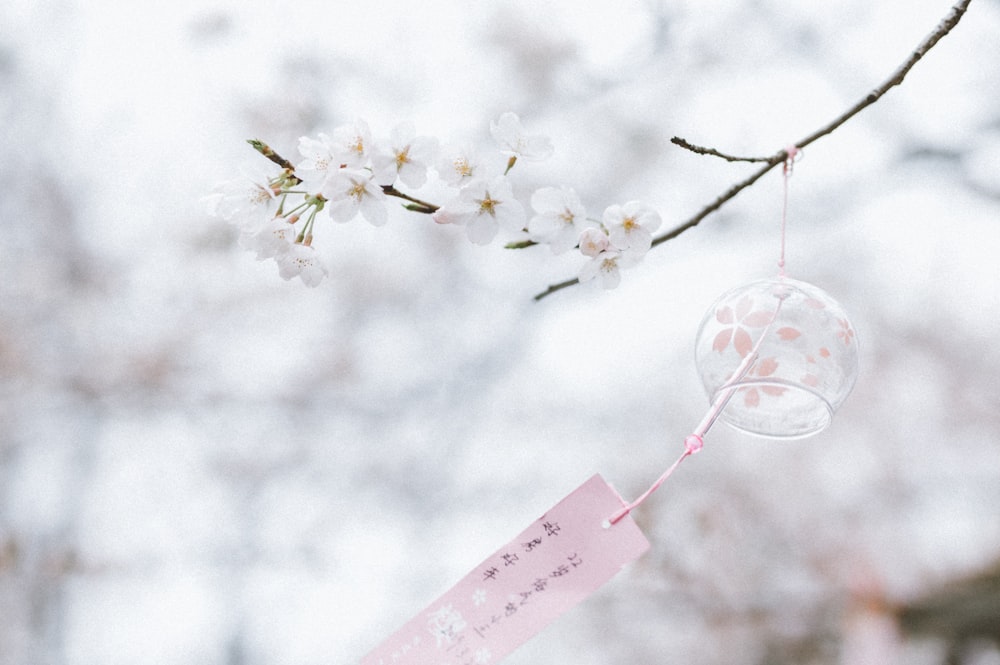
(780, 355)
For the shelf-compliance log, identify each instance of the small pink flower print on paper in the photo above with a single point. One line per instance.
(737, 322)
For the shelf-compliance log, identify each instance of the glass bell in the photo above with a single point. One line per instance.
(778, 356)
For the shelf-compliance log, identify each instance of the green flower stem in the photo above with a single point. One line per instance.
(416, 205)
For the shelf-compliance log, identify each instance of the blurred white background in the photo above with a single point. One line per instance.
(202, 463)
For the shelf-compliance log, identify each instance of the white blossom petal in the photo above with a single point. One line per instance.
(559, 220)
(630, 226)
(269, 240)
(303, 262)
(349, 192)
(593, 241)
(512, 139)
(482, 229)
(318, 163)
(352, 144)
(247, 201)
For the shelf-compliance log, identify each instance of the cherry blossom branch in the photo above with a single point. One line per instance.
(416, 205)
(943, 28)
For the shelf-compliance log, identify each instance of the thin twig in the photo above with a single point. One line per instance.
(701, 150)
(943, 28)
(416, 205)
(265, 150)
(720, 200)
(556, 287)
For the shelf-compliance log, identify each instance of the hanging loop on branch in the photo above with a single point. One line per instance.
(792, 154)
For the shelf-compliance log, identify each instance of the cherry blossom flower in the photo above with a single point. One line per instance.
(320, 161)
(606, 265)
(407, 158)
(352, 144)
(560, 217)
(247, 201)
(303, 262)
(513, 141)
(484, 206)
(593, 241)
(738, 321)
(606, 260)
(272, 238)
(350, 191)
(631, 226)
(458, 166)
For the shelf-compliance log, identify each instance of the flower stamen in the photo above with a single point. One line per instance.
(488, 205)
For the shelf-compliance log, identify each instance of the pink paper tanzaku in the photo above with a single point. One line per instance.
(563, 557)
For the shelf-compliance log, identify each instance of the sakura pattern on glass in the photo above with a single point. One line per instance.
(351, 175)
(742, 322)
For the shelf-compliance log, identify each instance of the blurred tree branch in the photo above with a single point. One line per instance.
(943, 28)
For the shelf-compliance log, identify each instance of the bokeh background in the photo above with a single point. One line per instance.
(202, 463)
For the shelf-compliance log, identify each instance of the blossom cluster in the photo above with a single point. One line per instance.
(350, 175)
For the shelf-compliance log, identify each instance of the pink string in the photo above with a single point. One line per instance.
(695, 441)
(692, 444)
(791, 154)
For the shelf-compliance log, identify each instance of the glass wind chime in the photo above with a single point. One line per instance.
(777, 358)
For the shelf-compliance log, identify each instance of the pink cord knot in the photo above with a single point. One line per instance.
(792, 153)
(693, 443)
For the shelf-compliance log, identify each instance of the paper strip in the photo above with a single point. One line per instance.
(554, 564)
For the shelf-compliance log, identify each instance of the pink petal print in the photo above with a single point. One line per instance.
(725, 315)
(825, 352)
(743, 307)
(846, 334)
(788, 334)
(774, 391)
(815, 304)
(752, 398)
(767, 367)
(722, 340)
(757, 319)
(742, 342)
(810, 380)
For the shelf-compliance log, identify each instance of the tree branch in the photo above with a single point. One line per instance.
(678, 141)
(943, 28)
(556, 287)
